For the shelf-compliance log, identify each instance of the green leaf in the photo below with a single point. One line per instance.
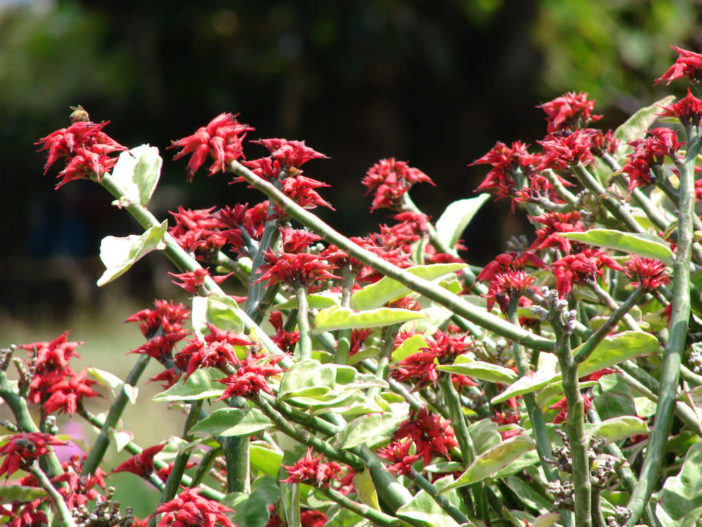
(314, 301)
(136, 173)
(682, 494)
(617, 349)
(14, 493)
(200, 385)
(423, 508)
(484, 435)
(219, 421)
(493, 460)
(646, 245)
(365, 489)
(370, 430)
(340, 318)
(387, 290)
(224, 312)
(528, 494)
(485, 371)
(409, 347)
(264, 458)
(526, 384)
(118, 254)
(307, 378)
(547, 519)
(636, 125)
(618, 428)
(456, 218)
(254, 421)
(114, 383)
(252, 509)
(613, 397)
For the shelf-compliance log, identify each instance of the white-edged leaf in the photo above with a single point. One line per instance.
(118, 254)
(456, 218)
(137, 173)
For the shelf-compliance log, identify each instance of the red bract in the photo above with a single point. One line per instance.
(54, 355)
(20, 450)
(688, 110)
(554, 223)
(189, 509)
(431, 434)
(581, 268)
(397, 453)
(300, 189)
(569, 112)
(142, 464)
(506, 286)
(446, 347)
(290, 153)
(251, 377)
(562, 406)
(24, 514)
(505, 161)
(215, 351)
(221, 139)
(390, 180)
(312, 518)
(192, 281)
(312, 471)
(202, 232)
(649, 152)
(418, 368)
(510, 261)
(247, 220)
(285, 340)
(649, 274)
(540, 188)
(688, 65)
(79, 489)
(167, 317)
(64, 396)
(301, 269)
(297, 240)
(563, 151)
(85, 146)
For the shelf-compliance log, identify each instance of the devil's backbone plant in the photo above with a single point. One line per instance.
(381, 380)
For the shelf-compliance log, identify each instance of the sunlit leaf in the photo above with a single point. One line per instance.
(681, 495)
(618, 428)
(635, 126)
(200, 385)
(136, 173)
(409, 346)
(485, 371)
(371, 430)
(642, 244)
(456, 218)
(264, 458)
(341, 318)
(387, 290)
(219, 421)
(314, 301)
(118, 254)
(526, 384)
(16, 493)
(491, 461)
(617, 349)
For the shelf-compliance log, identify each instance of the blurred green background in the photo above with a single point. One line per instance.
(435, 83)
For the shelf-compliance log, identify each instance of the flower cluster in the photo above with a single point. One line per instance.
(571, 111)
(390, 180)
(216, 350)
(648, 273)
(648, 153)
(20, 450)
(251, 377)
(221, 140)
(86, 149)
(312, 471)
(507, 164)
(430, 434)
(296, 269)
(163, 327)
(688, 65)
(189, 509)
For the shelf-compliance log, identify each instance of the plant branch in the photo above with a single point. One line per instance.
(55, 495)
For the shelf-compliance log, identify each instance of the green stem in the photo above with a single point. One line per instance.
(598, 336)
(303, 323)
(458, 419)
(677, 332)
(440, 499)
(543, 442)
(271, 232)
(55, 495)
(575, 430)
(306, 438)
(617, 210)
(613, 306)
(181, 460)
(113, 417)
(378, 518)
(438, 294)
(204, 466)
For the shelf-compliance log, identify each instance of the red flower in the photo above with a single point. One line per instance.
(202, 232)
(431, 434)
(312, 471)
(221, 139)
(64, 396)
(505, 161)
(505, 286)
(688, 64)
(569, 112)
(561, 152)
(649, 273)
(554, 223)
(688, 110)
(301, 269)
(300, 189)
(651, 151)
(297, 240)
(142, 464)
(509, 261)
(251, 377)
(290, 153)
(215, 351)
(167, 316)
(54, 355)
(312, 518)
(192, 281)
(390, 180)
(85, 146)
(19, 450)
(189, 509)
(581, 268)
(398, 454)
(285, 340)
(419, 368)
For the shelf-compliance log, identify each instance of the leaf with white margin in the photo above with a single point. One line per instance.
(456, 218)
(118, 254)
(137, 173)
